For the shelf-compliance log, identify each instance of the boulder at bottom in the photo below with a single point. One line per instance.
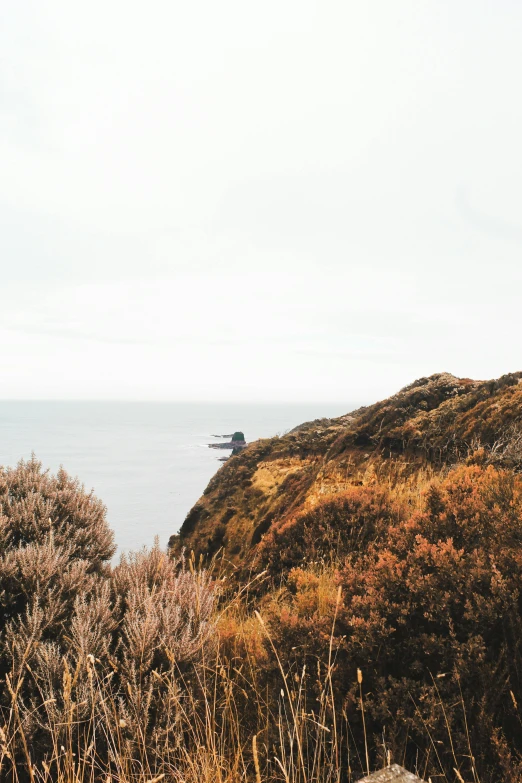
(393, 774)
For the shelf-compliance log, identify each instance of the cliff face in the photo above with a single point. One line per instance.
(433, 423)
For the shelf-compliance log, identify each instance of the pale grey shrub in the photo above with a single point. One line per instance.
(79, 637)
(166, 608)
(35, 504)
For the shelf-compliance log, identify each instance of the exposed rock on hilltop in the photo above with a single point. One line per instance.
(432, 423)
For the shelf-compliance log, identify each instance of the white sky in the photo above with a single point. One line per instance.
(278, 200)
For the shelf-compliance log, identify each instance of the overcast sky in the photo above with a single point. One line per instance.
(278, 200)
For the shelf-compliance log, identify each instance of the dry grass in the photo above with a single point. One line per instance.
(156, 670)
(203, 736)
(269, 475)
(219, 722)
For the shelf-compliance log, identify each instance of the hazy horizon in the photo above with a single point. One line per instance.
(298, 201)
(353, 405)
(197, 402)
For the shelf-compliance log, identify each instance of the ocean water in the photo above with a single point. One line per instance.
(148, 462)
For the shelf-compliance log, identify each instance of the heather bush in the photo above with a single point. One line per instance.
(342, 524)
(77, 635)
(36, 506)
(164, 608)
(55, 545)
(430, 611)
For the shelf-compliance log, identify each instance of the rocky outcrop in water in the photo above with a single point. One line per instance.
(236, 443)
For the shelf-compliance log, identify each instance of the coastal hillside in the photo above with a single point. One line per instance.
(381, 552)
(362, 607)
(404, 441)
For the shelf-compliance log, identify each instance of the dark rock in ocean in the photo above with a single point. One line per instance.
(236, 443)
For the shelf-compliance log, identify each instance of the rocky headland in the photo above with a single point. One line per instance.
(435, 422)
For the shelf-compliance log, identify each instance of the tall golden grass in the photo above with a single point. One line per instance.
(219, 725)
(204, 736)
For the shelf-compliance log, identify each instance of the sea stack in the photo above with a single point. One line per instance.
(236, 443)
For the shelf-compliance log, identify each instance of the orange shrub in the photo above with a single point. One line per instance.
(341, 524)
(430, 605)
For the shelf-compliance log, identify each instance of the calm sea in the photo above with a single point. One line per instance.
(148, 462)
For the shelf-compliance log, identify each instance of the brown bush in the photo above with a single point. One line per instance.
(430, 606)
(344, 523)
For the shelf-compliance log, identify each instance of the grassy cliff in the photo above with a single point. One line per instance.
(381, 553)
(434, 423)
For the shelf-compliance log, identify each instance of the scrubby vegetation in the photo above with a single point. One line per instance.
(87, 651)
(373, 614)
(426, 603)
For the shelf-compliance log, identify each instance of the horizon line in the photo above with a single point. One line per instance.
(173, 401)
